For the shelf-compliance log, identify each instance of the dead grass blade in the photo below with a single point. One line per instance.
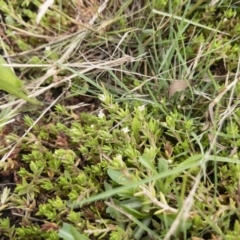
(43, 9)
(219, 97)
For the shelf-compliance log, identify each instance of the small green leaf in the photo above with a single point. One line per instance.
(118, 177)
(33, 167)
(68, 232)
(145, 161)
(135, 128)
(137, 214)
(10, 83)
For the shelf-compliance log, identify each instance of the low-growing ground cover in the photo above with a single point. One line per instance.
(138, 134)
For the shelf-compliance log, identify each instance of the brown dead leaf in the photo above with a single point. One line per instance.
(62, 140)
(177, 86)
(87, 9)
(168, 149)
(48, 226)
